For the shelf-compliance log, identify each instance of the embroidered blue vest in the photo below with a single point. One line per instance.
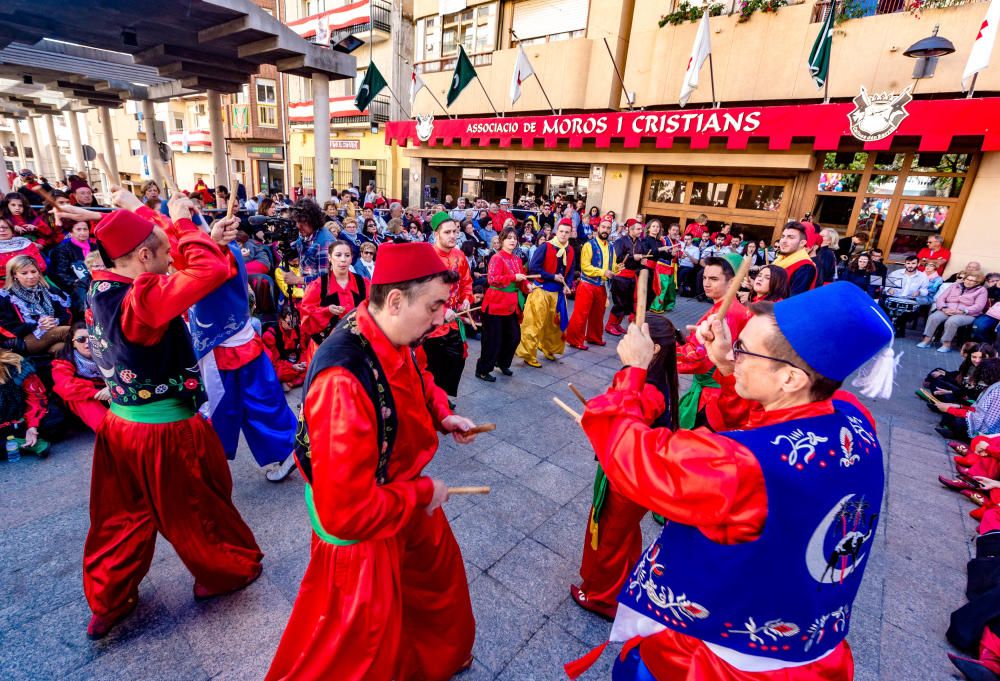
(222, 312)
(788, 595)
(597, 260)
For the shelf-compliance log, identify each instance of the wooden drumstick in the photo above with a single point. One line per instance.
(579, 395)
(640, 298)
(565, 407)
(481, 428)
(469, 490)
(734, 287)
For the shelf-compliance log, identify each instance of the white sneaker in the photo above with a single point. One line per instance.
(944, 349)
(922, 344)
(278, 472)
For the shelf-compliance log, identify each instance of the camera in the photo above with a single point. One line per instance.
(275, 229)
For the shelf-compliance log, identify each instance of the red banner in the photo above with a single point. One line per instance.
(876, 118)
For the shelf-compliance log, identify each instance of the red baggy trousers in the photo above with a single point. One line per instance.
(588, 315)
(381, 609)
(171, 478)
(619, 547)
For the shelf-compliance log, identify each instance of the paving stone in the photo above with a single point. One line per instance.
(484, 537)
(504, 623)
(564, 533)
(544, 655)
(535, 574)
(554, 482)
(508, 459)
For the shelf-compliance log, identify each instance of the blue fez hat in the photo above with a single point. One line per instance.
(834, 328)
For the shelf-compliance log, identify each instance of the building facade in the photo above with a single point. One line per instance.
(769, 152)
(376, 31)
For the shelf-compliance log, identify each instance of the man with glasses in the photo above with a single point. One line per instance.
(785, 498)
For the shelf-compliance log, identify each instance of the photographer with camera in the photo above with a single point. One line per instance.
(312, 244)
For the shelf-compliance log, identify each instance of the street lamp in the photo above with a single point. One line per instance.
(926, 51)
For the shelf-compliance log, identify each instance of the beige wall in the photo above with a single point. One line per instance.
(977, 237)
(765, 57)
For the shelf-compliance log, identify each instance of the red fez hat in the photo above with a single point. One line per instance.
(405, 262)
(565, 221)
(608, 218)
(121, 231)
(630, 222)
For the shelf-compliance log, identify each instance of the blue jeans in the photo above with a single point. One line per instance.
(984, 329)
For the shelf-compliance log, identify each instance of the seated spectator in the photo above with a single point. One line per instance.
(33, 311)
(935, 252)
(859, 272)
(78, 381)
(283, 343)
(83, 196)
(352, 236)
(984, 328)
(256, 258)
(963, 422)
(957, 307)
(961, 385)
(365, 266)
(23, 404)
(15, 210)
(371, 233)
(934, 281)
(972, 267)
(69, 270)
(332, 210)
(289, 265)
(394, 231)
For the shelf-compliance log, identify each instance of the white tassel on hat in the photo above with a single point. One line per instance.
(875, 379)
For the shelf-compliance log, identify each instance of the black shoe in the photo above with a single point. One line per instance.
(506, 372)
(451, 405)
(489, 378)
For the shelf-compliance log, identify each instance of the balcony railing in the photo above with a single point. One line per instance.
(856, 9)
(448, 63)
(347, 20)
(342, 111)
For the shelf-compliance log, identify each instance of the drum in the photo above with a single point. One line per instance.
(897, 306)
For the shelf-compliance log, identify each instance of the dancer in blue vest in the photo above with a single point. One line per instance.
(771, 522)
(243, 390)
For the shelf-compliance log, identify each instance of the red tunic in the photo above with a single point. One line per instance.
(395, 605)
(78, 393)
(701, 479)
(461, 291)
(316, 317)
(503, 268)
(285, 370)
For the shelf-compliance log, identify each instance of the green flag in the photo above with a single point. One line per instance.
(464, 73)
(819, 56)
(370, 86)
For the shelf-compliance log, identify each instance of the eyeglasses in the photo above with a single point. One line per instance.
(81, 339)
(740, 349)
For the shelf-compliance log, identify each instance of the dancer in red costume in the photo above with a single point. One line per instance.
(768, 503)
(385, 594)
(597, 264)
(158, 465)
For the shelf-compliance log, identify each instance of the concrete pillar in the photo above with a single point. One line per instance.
(321, 135)
(109, 147)
(37, 162)
(4, 183)
(81, 119)
(149, 125)
(417, 168)
(510, 185)
(75, 143)
(50, 130)
(22, 157)
(220, 166)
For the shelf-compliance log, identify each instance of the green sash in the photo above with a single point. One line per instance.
(318, 526)
(687, 408)
(164, 411)
(511, 288)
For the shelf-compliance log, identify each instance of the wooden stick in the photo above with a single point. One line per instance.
(566, 408)
(233, 202)
(481, 428)
(640, 298)
(579, 395)
(734, 287)
(469, 490)
(534, 276)
(472, 322)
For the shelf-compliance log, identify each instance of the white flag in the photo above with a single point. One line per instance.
(522, 71)
(982, 49)
(699, 53)
(416, 85)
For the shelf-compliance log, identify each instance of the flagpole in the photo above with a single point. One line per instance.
(711, 76)
(826, 81)
(438, 102)
(972, 85)
(480, 81)
(371, 47)
(537, 79)
(628, 98)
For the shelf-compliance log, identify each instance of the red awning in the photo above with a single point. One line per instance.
(875, 122)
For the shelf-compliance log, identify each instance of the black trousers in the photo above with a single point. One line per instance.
(446, 360)
(501, 335)
(622, 297)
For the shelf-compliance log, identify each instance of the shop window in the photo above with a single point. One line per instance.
(667, 191)
(267, 103)
(929, 185)
(755, 233)
(839, 182)
(886, 160)
(941, 163)
(917, 221)
(840, 160)
(833, 211)
(760, 197)
(715, 194)
(882, 184)
(874, 212)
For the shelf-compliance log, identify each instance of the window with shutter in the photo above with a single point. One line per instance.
(538, 21)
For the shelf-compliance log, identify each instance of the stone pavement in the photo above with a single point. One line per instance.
(521, 545)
